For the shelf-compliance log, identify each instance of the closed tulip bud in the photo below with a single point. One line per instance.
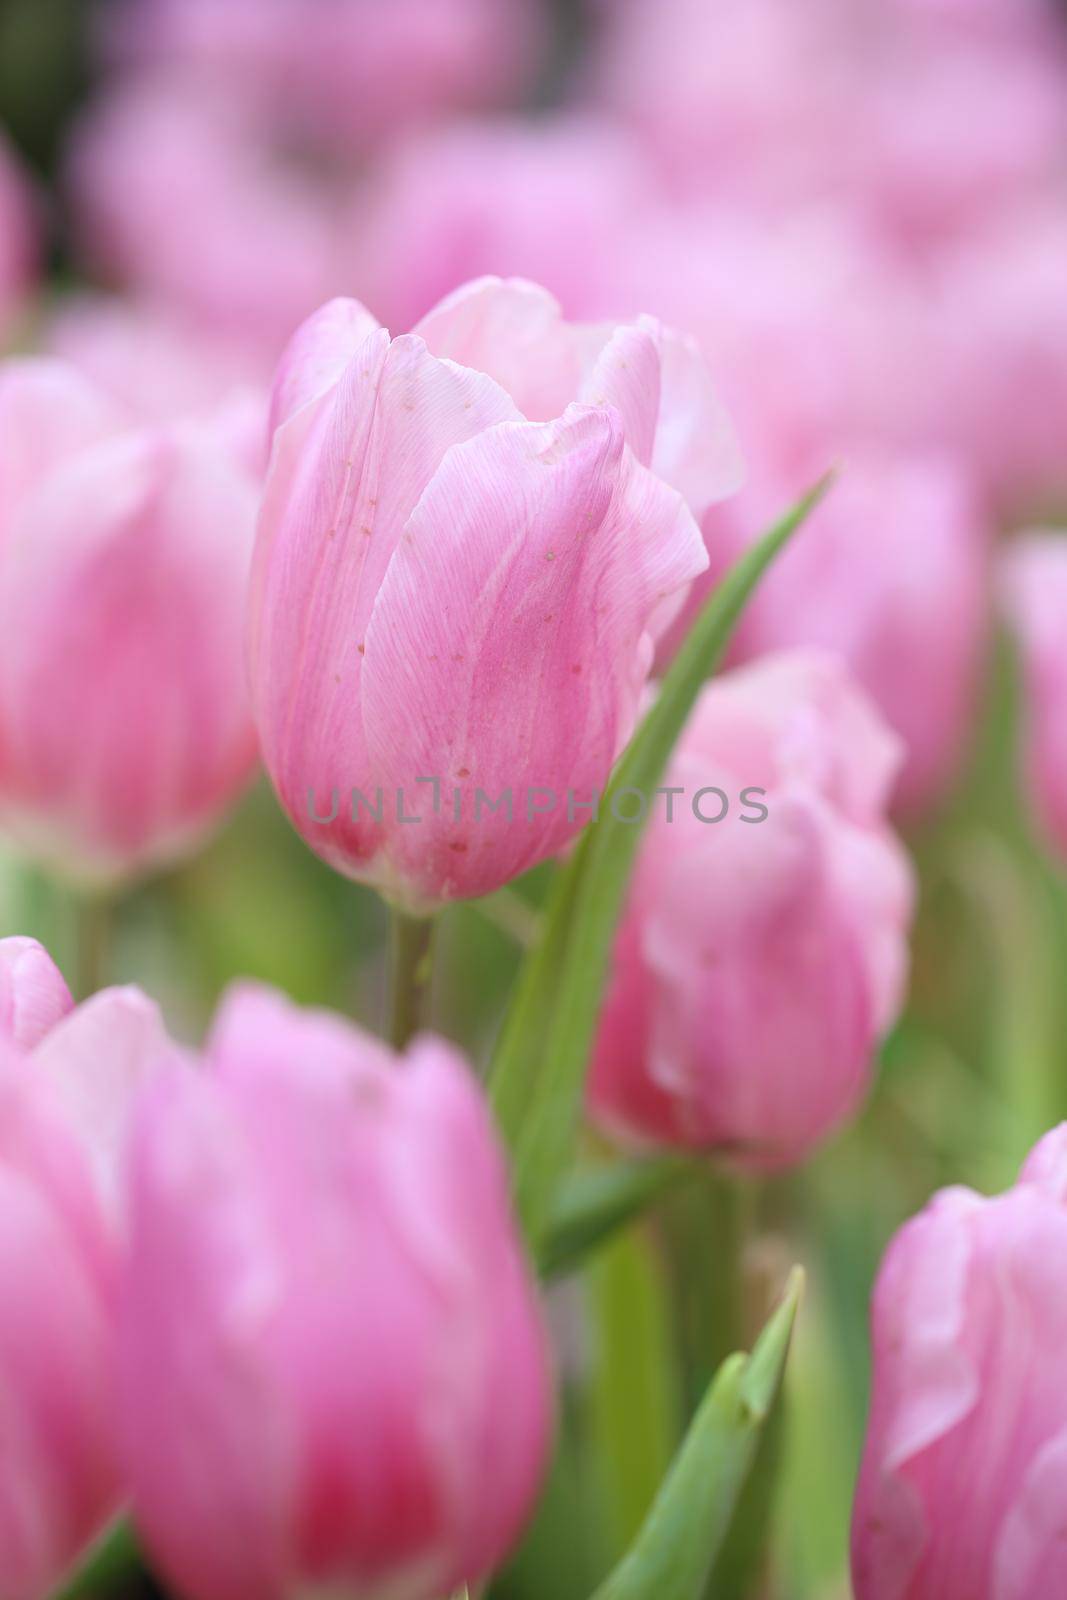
(964, 1479)
(1035, 590)
(64, 1110)
(33, 995)
(334, 1369)
(466, 552)
(763, 951)
(124, 724)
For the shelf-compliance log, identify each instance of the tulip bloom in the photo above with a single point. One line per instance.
(466, 551)
(760, 958)
(124, 724)
(334, 1368)
(1035, 574)
(964, 1478)
(892, 574)
(64, 1109)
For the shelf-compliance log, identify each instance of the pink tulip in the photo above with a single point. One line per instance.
(64, 1109)
(335, 1374)
(1035, 574)
(763, 951)
(33, 995)
(891, 573)
(554, 201)
(962, 1488)
(462, 565)
(18, 237)
(346, 74)
(124, 725)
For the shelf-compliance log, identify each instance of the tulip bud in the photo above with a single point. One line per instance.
(762, 953)
(1035, 573)
(64, 1109)
(334, 1369)
(453, 607)
(124, 725)
(964, 1478)
(33, 995)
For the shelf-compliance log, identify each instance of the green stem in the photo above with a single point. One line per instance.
(707, 1226)
(93, 934)
(410, 965)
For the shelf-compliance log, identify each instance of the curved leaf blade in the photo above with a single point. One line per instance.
(676, 1549)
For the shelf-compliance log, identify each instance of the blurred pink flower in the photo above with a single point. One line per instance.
(467, 549)
(155, 363)
(160, 367)
(819, 334)
(760, 960)
(335, 1374)
(761, 99)
(64, 1111)
(18, 237)
(552, 200)
(177, 200)
(1002, 383)
(891, 573)
(33, 995)
(1036, 21)
(349, 72)
(1035, 594)
(961, 1491)
(124, 723)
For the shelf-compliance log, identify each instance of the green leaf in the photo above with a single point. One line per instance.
(595, 1202)
(114, 1558)
(686, 1528)
(541, 1059)
(635, 1407)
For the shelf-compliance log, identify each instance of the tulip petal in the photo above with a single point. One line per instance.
(347, 473)
(513, 627)
(59, 1479)
(696, 449)
(513, 330)
(196, 1220)
(96, 1061)
(626, 375)
(317, 355)
(33, 995)
(1030, 1562)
